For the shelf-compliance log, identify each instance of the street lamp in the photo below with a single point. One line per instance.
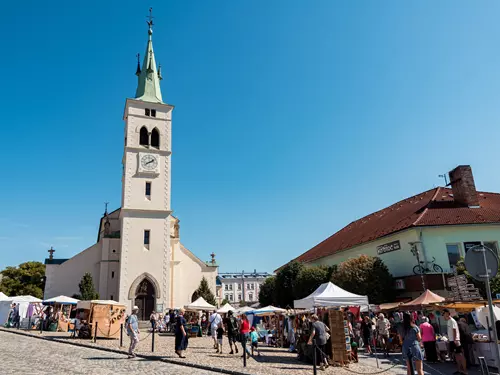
(416, 253)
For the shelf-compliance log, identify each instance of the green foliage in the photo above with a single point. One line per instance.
(224, 301)
(87, 289)
(266, 293)
(205, 292)
(26, 279)
(309, 279)
(367, 276)
(286, 281)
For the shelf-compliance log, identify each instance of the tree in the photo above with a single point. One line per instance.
(26, 279)
(309, 279)
(224, 301)
(367, 276)
(266, 293)
(205, 292)
(286, 282)
(87, 289)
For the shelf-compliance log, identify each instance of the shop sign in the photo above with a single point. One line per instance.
(388, 247)
(399, 284)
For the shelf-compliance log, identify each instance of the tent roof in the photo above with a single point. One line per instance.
(426, 298)
(3, 296)
(86, 304)
(244, 309)
(18, 299)
(63, 300)
(329, 294)
(268, 310)
(199, 304)
(226, 308)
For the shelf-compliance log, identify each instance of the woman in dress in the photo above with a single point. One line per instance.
(410, 336)
(366, 331)
(181, 339)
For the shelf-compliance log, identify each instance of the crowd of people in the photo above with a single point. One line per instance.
(415, 336)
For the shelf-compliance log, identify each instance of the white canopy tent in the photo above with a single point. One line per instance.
(243, 310)
(3, 296)
(225, 309)
(329, 295)
(199, 305)
(22, 301)
(267, 311)
(61, 300)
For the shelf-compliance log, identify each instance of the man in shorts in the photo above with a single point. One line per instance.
(232, 331)
(454, 340)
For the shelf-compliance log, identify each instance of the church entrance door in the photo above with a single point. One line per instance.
(145, 299)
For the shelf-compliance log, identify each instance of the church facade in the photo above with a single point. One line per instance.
(138, 258)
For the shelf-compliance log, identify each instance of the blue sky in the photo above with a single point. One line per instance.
(292, 118)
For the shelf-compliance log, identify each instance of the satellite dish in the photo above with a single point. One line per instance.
(476, 265)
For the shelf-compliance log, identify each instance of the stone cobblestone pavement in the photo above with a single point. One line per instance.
(22, 354)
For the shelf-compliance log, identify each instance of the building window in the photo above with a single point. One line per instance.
(239, 286)
(112, 276)
(250, 297)
(144, 137)
(153, 113)
(147, 111)
(155, 138)
(453, 254)
(230, 286)
(148, 190)
(226, 296)
(111, 297)
(146, 238)
(489, 244)
(230, 297)
(239, 297)
(226, 287)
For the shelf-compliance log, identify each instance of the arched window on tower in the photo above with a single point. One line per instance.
(155, 138)
(144, 137)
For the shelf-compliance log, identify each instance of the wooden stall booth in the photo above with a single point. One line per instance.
(108, 315)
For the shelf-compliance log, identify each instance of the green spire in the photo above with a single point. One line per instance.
(148, 86)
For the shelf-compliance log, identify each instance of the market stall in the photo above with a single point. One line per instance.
(29, 307)
(108, 315)
(60, 312)
(226, 308)
(192, 315)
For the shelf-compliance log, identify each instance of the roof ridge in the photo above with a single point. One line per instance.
(422, 214)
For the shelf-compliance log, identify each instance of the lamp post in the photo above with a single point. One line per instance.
(416, 253)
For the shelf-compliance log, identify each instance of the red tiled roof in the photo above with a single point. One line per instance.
(430, 208)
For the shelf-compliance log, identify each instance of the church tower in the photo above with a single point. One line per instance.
(145, 214)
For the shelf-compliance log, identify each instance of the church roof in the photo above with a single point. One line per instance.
(435, 207)
(148, 86)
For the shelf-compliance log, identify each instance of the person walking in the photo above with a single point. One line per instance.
(244, 332)
(318, 334)
(133, 331)
(466, 341)
(220, 335)
(254, 338)
(153, 318)
(454, 340)
(410, 336)
(429, 340)
(215, 320)
(366, 332)
(383, 329)
(181, 339)
(232, 331)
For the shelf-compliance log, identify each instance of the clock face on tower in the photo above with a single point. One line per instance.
(149, 162)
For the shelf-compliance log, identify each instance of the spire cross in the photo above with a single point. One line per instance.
(51, 252)
(106, 208)
(150, 22)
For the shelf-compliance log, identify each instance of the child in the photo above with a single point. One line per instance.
(354, 352)
(220, 333)
(254, 338)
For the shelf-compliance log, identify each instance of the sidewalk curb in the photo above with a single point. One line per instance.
(111, 350)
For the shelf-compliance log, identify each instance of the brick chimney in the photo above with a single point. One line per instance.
(462, 184)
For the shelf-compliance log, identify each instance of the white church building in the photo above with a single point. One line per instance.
(138, 258)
